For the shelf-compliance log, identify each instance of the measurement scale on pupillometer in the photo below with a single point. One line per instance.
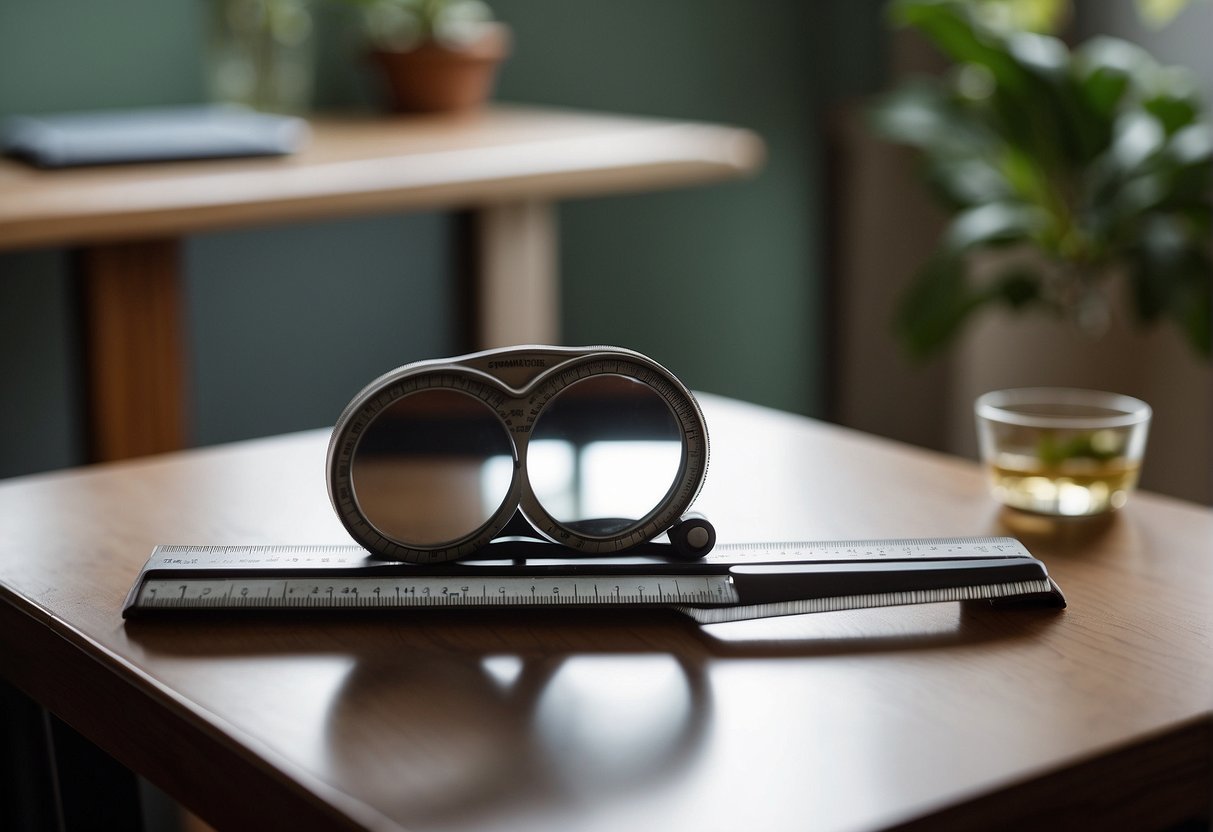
(736, 581)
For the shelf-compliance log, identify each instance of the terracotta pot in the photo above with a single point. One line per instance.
(436, 78)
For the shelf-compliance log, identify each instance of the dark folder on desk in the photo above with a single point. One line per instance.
(150, 135)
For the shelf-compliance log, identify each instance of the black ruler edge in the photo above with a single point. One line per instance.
(772, 583)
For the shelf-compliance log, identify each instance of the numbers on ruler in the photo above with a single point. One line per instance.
(374, 592)
(251, 583)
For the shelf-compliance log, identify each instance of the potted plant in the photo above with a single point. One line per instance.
(1082, 168)
(435, 55)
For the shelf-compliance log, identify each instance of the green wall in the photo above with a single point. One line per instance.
(721, 283)
(63, 55)
(285, 324)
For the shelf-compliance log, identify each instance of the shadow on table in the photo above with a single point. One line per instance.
(1060, 536)
(544, 633)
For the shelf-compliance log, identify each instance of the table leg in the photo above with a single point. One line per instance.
(28, 798)
(56, 779)
(134, 347)
(517, 289)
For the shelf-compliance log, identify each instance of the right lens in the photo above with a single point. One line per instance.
(604, 453)
(432, 468)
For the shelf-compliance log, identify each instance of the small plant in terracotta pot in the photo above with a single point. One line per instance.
(436, 55)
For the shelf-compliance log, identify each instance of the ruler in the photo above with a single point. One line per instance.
(734, 581)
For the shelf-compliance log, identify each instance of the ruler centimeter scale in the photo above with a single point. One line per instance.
(733, 582)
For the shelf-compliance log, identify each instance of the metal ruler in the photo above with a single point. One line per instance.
(735, 581)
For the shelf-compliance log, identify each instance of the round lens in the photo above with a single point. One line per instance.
(604, 453)
(432, 468)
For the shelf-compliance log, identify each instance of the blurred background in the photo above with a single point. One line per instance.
(788, 289)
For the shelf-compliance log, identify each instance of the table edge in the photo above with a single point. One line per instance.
(34, 638)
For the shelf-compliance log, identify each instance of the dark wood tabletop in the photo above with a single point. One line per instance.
(947, 715)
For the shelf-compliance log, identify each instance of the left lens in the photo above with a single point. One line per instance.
(432, 468)
(604, 453)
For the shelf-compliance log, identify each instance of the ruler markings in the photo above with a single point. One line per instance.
(355, 592)
(241, 577)
(338, 556)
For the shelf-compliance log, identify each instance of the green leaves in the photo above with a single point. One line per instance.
(1159, 13)
(1099, 159)
(944, 296)
(1169, 278)
(1104, 69)
(937, 304)
(401, 25)
(993, 223)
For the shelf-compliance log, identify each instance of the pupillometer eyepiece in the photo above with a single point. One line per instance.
(598, 449)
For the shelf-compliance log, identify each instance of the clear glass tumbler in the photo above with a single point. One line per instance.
(261, 54)
(1062, 451)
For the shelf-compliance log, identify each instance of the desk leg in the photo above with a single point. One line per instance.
(53, 778)
(517, 288)
(131, 306)
(28, 798)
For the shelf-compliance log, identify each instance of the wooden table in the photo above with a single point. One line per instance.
(939, 716)
(508, 165)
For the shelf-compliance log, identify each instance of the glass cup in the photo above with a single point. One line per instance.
(261, 54)
(1060, 451)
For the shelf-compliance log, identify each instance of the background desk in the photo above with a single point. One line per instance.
(953, 716)
(507, 164)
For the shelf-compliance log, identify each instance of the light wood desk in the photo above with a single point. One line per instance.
(941, 716)
(507, 164)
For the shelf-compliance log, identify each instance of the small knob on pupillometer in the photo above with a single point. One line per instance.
(692, 537)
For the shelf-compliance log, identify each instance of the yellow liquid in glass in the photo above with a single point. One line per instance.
(1072, 488)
